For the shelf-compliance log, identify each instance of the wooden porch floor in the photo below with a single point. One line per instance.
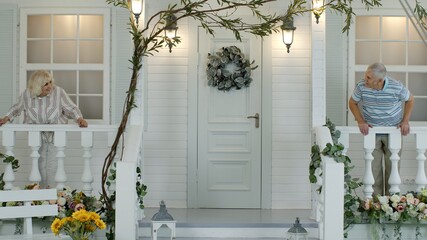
(233, 224)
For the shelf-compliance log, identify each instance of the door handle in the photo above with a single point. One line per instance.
(256, 116)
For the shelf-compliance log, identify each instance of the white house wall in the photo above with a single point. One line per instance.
(166, 82)
(166, 139)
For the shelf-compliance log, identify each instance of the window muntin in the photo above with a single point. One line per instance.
(393, 41)
(74, 46)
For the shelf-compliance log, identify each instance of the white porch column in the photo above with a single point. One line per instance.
(87, 178)
(318, 71)
(8, 138)
(394, 144)
(421, 145)
(368, 178)
(34, 141)
(60, 143)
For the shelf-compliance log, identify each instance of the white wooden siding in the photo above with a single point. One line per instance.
(291, 119)
(336, 65)
(165, 138)
(8, 22)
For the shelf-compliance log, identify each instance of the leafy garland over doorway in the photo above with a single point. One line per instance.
(228, 68)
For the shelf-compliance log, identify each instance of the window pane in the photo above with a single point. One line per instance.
(419, 112)
(91, 26)
(413, 34)
(65, 26)
(393, 53)
(90, 82)
(367, 52)
(417, 53)
(73, 98)
(394, 28)
(38, 51)
(67, 80)
(91, 107)
(399, 76)
(417, 84)
(64, 51)
(38, 26)
(367, 28)
(91, 51)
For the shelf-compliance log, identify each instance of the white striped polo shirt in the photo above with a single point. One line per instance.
(382, 107)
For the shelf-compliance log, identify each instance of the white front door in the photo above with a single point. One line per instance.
(229, 143)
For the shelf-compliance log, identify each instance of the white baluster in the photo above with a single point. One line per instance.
(421, 145)
(394, 144)
(87, 178)
(368, 178)
(34, 141)
(8, 143)
(344, 140)
(60, 143)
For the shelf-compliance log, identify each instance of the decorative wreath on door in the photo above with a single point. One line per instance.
(229, 68)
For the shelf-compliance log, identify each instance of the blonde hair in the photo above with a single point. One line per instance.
(37, 80)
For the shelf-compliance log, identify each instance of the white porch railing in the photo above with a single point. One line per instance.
(127, 207)
(34, 133)
(329, 213)
(395, 145)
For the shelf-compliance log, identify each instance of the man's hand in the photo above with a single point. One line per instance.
(364, 128)
(404, 128)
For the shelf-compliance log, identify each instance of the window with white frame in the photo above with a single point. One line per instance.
(74, 45)
(394, 41)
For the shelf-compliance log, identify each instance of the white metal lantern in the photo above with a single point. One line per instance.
(297, 232)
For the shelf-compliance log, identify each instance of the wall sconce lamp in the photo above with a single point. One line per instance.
(318, 8)
(288, 31)
(171, 29)
(137, 9)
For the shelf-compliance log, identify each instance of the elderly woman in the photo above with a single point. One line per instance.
(44, 103)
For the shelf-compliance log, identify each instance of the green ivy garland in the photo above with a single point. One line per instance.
(351, 200)
(229, 68)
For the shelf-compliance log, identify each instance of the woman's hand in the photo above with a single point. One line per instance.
(4, 120)
(82, 122)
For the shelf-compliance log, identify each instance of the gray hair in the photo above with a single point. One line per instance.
(378, 70)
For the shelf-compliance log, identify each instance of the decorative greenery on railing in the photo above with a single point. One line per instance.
(379, 210)
(334, 150)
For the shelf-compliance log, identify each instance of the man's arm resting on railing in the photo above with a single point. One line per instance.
(363, 125)
(404, 124)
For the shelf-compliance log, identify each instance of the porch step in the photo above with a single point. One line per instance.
(233, 224)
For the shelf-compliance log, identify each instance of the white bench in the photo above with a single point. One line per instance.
(28, 211)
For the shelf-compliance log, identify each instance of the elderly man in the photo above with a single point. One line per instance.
(381, 99)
